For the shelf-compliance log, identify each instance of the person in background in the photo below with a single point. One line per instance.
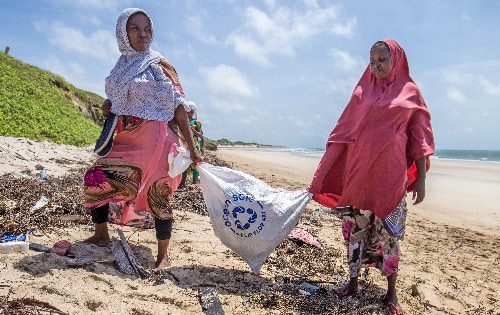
(377, 152)
(130, 184)
(197, 134)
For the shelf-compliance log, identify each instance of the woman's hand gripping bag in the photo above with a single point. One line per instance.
(247, 215)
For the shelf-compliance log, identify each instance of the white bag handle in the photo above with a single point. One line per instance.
(178, 160)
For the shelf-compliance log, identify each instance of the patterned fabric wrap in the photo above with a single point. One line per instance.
(368, 242)
(133, 177)
(395, 223)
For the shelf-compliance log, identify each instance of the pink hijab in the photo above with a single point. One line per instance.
(384, 128)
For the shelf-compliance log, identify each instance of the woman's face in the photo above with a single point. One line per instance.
(380, 61)
(139, 32)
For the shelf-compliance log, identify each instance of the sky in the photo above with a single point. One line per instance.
(281, 72)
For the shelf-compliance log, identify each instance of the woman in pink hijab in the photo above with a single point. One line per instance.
(377, 152)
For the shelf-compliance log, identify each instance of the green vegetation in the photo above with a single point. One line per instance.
(39, 105)
(226, 142)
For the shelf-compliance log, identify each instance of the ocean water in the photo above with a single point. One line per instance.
(486, 156)
(492, 156)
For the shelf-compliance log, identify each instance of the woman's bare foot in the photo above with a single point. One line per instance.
(101, 235)
(348, 289)
(162, 260)
(391, 299)
(99, 241)
(162, 263)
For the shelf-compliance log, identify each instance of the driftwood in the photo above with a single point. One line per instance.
(209, 300)
(125, 259)
(28, 306)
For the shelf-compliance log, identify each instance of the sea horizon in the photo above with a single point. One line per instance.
(484, 156)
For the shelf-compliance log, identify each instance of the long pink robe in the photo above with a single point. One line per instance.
(383, 130)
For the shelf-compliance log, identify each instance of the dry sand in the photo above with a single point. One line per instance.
(450, 254)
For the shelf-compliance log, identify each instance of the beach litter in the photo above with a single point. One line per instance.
(11, 243)
(308, 289)
(42, 202)
(60, 248)
(80, 262)
(13, 247)
(43, 175)
(209, 300)
(301, 237)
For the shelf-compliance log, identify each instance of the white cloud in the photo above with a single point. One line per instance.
(345, 61)
(480, 78)
(225, 105)
(488, 86)
(228, 87)
(469, 131)
(465, 16)
(485, 113)
(92, 4)
(73, 73)
(456, 94)
(99, 45)
(346, 29)
(91, 19)
(195, 27)
(284, 29)
(246, 47)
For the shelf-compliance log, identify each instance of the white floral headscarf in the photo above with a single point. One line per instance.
(133, 64)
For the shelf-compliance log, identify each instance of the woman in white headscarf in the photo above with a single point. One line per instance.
(197, 134)
(130, 185)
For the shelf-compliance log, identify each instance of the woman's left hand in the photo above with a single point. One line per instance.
(418, 191)
(419, 185)
(195, 156)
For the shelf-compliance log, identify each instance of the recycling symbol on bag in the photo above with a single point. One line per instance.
(240, 215)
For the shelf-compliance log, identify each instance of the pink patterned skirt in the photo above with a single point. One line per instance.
(133, 178)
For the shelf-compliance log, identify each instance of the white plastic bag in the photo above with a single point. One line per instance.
(247, 215)
(178, 160)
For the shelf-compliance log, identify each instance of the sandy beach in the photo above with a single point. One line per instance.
(448, 264)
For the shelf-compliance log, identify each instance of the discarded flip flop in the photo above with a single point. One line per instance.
(42, 248)
(392, 309)
(80, 262)
(301, 236)
(344, 293)
(60, 247)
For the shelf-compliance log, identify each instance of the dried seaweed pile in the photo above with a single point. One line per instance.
(64, 195)
(19, 197)
(294, 265)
